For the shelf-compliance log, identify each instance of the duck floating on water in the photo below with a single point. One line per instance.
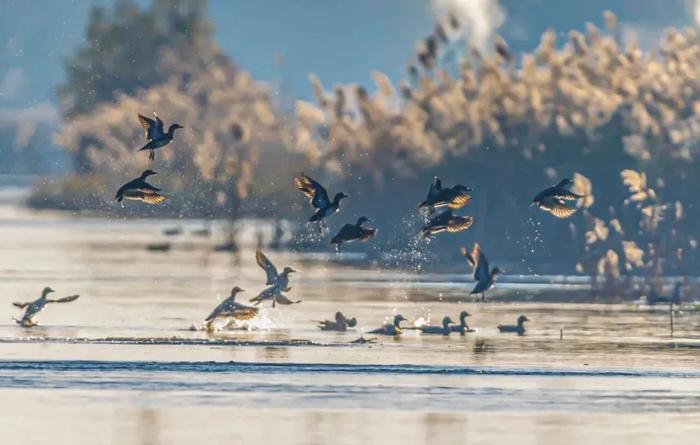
(462, 327)
(446, 222)
(655, 298)
(319, 199)
(278, 282)
(390, 328)
(340, 324)
(519, 328)
(353, 232)
(553, 199)
(484, 277)
(157, 138)
(445, 329)
(230, 309)
(140, 190)
(34, 307)
(452, 197)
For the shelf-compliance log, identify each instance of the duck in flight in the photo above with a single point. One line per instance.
(553, 199)
(277, 282)
(451, 197)
(318, 196)
(462, 327)
(34, 307)
(390, 328)
(445, 329)
(340, 324)
(446, 222)
(484, 277)
(352, 232)
(230, 309)
(140, 190)
(155, 135)
(518, 328)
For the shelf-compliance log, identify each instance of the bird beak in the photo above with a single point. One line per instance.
(533, 204)
(292, 270)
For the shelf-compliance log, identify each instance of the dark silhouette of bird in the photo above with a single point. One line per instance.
(319, 199)
(553, 199)
(462, 327)
(442, 330)
(277, 282)
(446, 222)
(36, 306)
(341, 323)
(155, 135)
(519, 328)
(230, 309)
(140, 190)
(352, 232)
(452, 197)
(390, 328)
(675, 298)
(484, 277)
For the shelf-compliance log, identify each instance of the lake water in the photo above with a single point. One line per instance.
(123, 364)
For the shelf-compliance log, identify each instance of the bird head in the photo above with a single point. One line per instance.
(47, 290)
(522, 319)
(463, 315)
(339, 317)
(340, 196)
(174, 127)
(363, 219)
(565, 182)
(447, 321)
(287, 270)
(398, 319)
(236, 290)
(147, 173)
(352, 322)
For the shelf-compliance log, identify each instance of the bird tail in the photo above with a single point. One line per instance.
(145, 147)
(423, 204)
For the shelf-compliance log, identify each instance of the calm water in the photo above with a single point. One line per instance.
(124, 365)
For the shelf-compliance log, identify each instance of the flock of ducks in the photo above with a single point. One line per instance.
(440, 205)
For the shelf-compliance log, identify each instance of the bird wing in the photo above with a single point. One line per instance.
(149, 125)
(239, 311)
(565, 194)
(281, 298)
(560, 210)
(458, 200)
(459, 223)
(435, 189)
(481, 271)
(145, 196)
(264, 295)
(158, 130)
(313, 190)
(22, 305)
(67, 299)
(267, 266)
(346, 233)
(470, 258)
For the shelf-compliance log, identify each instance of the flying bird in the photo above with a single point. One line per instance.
(230, 309)
(553, 199)
(446, 222)
(352, 232)
(277, 282)
(140, 190)
(518, 329)
(341, 323)
(390, 328)
(452, 197)
(155, 135)
(318, 197)
(34, 307)
(484, 277)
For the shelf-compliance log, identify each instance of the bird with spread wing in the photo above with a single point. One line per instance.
(230, 309)
(36, 306)
(318, 196)
(483, 276)
(140, 190)
(277, 282)
(553, 199)
(155, 134)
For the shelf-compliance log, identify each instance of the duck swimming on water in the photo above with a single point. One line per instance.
(553, 199)
(452, 197)
(157, 138)
(446, 222)
(278, 282)
(445, 329)
(341, 323)
(230, 309)
(352, 232)
(518, 329)
(484, 277)
(140, 190)
(462, 327)
(34, 307)
(319, 199)
(390, 328)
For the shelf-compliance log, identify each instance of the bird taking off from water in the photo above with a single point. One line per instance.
(340, 324)
(230, 309)
(553, 199)
(319, 199)
(452, 197)
(277, 282)
(484, 277)
(155, 135)
(34, 307)
(352, 232)
(140, 190)
(518, 329)
(446, 222)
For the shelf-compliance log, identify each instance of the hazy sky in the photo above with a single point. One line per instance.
(340, 40)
